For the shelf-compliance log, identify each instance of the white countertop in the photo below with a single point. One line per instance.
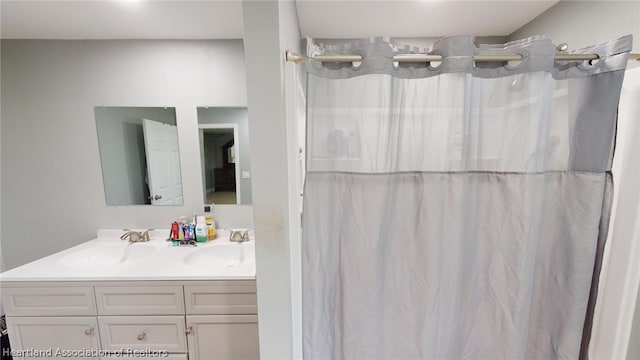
(107, 258)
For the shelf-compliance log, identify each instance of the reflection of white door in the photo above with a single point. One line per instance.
(163, 162)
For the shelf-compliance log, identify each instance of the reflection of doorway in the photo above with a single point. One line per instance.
(220, 168)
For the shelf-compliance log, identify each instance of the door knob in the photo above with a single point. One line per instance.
(89, 331)
(189, 330)
(157, 197)
(141, 336)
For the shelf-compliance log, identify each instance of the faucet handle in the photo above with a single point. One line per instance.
(145, 234)
(239, 236)
(235, 236)
(126, 235)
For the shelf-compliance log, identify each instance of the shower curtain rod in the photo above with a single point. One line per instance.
(297, 58)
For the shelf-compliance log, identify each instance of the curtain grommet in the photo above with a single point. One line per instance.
(357, 65)
(592, 64)
(520, 63)
(443, 54)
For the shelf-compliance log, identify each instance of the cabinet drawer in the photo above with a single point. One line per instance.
(43, 301)
(225, 298)
(145, 300)
(143, 332)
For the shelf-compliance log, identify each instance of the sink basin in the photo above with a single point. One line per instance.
(106, 255)
(227, 255)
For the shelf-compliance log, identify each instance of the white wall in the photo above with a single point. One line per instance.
(583, 23)
(50, 161)
(620, 276)
(617, 327)
(270, 27)
(295, 109)
(633, 351)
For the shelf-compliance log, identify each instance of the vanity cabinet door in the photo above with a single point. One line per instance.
(223, 337)
(58, 335)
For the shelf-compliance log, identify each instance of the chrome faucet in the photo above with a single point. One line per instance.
(136, 236)
(239, 236)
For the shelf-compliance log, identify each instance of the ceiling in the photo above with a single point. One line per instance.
(217, 19)
(121, 19)
(426, 18)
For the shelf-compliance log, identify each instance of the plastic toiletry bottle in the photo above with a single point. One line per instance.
(175, 230)
(201, 229)
(211, 227)
(181, 228)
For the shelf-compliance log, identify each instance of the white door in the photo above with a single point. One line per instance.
(163, 162)
(223, 337)
(48, 334)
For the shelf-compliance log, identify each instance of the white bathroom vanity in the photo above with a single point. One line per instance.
(108, 298)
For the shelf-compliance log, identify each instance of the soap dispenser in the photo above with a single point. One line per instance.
(211, 225)
(201, 229)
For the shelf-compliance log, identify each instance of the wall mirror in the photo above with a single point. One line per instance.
(139, 155)
(224, 154)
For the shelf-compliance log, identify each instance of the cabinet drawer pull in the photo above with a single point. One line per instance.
(141, 336)
(189, 330)
(89, 331)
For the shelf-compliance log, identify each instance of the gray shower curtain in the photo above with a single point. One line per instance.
(455, 210)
